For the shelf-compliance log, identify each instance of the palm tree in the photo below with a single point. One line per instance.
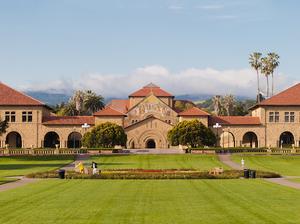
(92, 102)
(266, 70)
(255, 62)
(273, 63)
(228, 102)
(217, 104)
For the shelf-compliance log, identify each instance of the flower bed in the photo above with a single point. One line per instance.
(153, 174)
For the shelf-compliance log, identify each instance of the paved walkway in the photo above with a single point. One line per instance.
(79, 158)
(18, 183)
(225, 158)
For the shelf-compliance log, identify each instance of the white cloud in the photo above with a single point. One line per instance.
(211, 7)
(189, 81)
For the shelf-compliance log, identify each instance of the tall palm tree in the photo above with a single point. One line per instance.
(217, 104)
(228, 103)
(92, 102)
(266, 70)
(255, 62)
(273, 63)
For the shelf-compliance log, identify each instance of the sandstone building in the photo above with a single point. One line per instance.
(146, 116)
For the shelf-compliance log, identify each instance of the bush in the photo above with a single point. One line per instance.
(106, 135)
(192, 133)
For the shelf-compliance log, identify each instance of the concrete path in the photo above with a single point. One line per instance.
(18, 183)
(225, 158)
(79, 158)
(156, 151)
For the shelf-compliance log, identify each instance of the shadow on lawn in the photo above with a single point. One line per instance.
(28, 166)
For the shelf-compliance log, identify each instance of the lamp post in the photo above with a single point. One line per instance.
(85, 127)
(217, 126)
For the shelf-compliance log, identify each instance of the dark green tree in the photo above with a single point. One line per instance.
(3, 126)
(191, 133)
(106, 135)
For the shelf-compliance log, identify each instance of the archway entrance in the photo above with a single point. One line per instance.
(74, 140)
(286, 139)
(14, 140)
(227, 140)
(150, 144)
(51, 140)
(250, 140)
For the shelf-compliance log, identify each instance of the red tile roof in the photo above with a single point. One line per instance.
(11, 97)
(194, 111)
(288, 97)
(119, 105)
(68, 120)
(151, 88)
(108, 111)
(235, 120)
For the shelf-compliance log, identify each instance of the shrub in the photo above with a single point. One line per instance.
(106, 135)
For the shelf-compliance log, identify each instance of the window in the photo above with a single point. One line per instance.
(27, 116)
(271, 116)
(289, 116)
(10, 116)
(276, 116)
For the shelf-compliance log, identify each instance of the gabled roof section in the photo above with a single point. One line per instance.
(12, 97)
(151, 88)
(119, 105)
(288, 97)
(147, 118)
(68, 120)
(235, 120)
(149, 97)
(194, 111)
(108, 111)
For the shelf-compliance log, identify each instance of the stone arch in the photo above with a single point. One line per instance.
(150, 144)
(14, 139)
(51, 139)
(250, 139)
(132, 143)
(286, 139)
(160, 140)
(74, 140)
(227, 139)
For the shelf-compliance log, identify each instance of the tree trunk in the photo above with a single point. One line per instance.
(267, 86)
(258, 89)
(272, 85)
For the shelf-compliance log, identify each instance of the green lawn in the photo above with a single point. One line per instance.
(146, 201)
(297, 180)
(185, 161)
(284, 164)
(22, 165)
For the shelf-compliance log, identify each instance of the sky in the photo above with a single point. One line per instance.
(116, 46)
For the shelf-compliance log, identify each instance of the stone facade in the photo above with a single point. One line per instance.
(146, 116)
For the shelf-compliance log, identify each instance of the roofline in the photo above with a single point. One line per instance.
(26, 105)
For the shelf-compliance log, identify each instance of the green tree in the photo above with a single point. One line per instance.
(228, 104)
(191, 133)
(105, 135)
(255, 62)
(3, 126)
(82, 103)
(273, 59)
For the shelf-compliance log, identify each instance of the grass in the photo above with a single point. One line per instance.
(185, 161)
(144, 201)
(22, 165)
(287, 165)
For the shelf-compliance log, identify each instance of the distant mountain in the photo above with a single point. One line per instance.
(49, 98)
(56, 98)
